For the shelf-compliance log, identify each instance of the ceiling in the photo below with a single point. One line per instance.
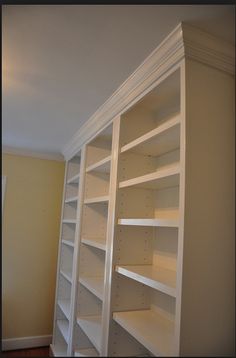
(62, 62)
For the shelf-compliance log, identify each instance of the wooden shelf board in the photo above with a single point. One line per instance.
(74, 179)
(98, 199)
(71, 200)
(91, 325)
(162, 178)
(86, 352)
(67, 275)
(151, 329)
(150, 222)
(158, 278)
(65, 307)
(99, 243)
(58, 350)
(68, 242)
(158, 141)
(102, 165)
(69, 221)
(64, 328)
(94, 285)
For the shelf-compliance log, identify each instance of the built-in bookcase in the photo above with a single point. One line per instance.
(67, 258)
(89, 309)
(146, 249)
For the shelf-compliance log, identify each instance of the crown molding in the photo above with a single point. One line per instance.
(29, 153)
(184, 41)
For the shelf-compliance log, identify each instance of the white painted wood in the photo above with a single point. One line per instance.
(65, 307)
(71, 200)
(91, 325)
(94, 284)
(74, 179)
(69, 221)
(99, 199)
(68, 242)
(10, 344)
(148, 143)
(4, 181)
(154, 331)
(58, 350)
(150, 222)
(67, 275)
(169, 176)
(86, 352)
(97, 242)
(101, 166)
(184, 40)
(156, 277)
(64, 328)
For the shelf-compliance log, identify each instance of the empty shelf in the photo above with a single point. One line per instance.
(68, 242)
(91, 325)
(158, 278)
(94, 285)
(67, 275)
(102, 166)
(65, 307)
(86, 352)
(69, 221)
(99, 243)
(71, 200)
(151, 329)
(150, 222)
(64, 328)
(74, 179)
(162, 178)
(98, 199)
(58, 350)
(160, 140)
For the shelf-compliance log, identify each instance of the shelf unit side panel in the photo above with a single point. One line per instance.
(209, 240)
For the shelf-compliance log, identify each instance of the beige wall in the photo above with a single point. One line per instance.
(30, 234)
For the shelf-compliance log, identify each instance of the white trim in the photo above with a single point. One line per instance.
(183, 41)
(29, 153)
(26, 342)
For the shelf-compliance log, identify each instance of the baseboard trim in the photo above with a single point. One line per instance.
(26, 342)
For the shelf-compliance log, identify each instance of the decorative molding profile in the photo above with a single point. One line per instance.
(183, 41)
(29, 153)
(26, 342)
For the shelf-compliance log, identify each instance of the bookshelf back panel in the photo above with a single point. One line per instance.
(147, 203)
(88, 303)
(159, 105)
(71, 190)
(70, 210)
(68, 232)
(122, 344)
(80, 339)
(149, 246)
(94, 220)
(92, 261)
(64, 289)
(73, 167)
(133, 165)
(96, 184)
(67, 253)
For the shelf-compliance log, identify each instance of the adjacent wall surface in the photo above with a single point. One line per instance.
(30, 234)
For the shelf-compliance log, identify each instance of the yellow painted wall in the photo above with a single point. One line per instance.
(30, 234)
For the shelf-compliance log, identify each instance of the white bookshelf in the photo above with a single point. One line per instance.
(91, 325)
(97, 242)
(65, 307)
(86, 352)
(94, 284)
(153, 330)
(64, 328)
(156, 277)
(141, 244)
